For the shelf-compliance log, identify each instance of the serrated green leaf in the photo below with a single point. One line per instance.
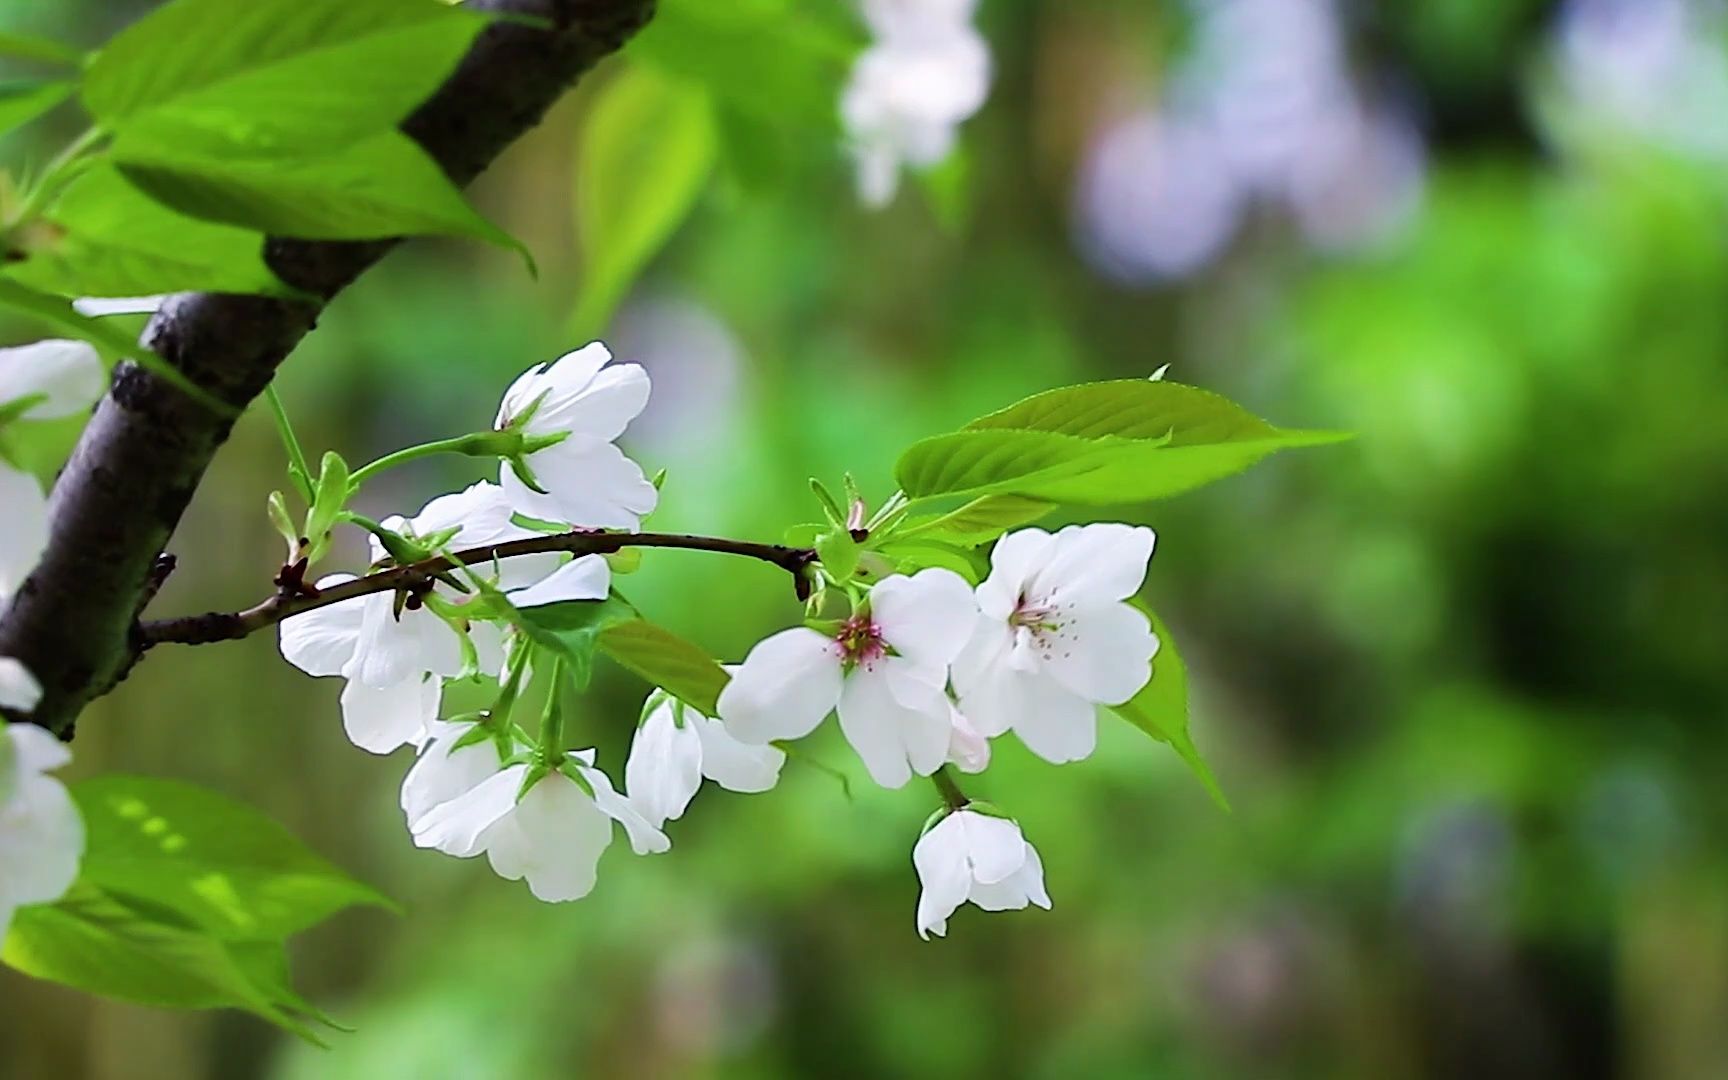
(30, 47)
(1160, 709)
(96, 942)
(110, 239)
(224, 867)
(23, 100)
(1099, 444)
(766, 58)
(380, 187)
(666, 660)
(273, 77)
(57, 312)
(646, 154)
(978, 522)
(572, 629)
(911, 556)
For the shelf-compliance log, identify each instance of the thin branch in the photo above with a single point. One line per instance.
(231, 626)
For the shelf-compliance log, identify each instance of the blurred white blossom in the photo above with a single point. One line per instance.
(41, 833)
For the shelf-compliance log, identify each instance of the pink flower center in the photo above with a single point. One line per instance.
(860, 641)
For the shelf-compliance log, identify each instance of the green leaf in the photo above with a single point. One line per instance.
(273, 77)
(572, 629)
(57, 312)
(381, 187)
(646, 155)
(96, 942)
(978, 522)
(23, 100)
(224, 867)
(29, 47)
(1160, 709)
(766, 58)
(911, 556)
(110, 239)
(1099, 444)
(666, 660)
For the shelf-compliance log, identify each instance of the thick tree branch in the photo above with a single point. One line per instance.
(231, 626)
(141, 457)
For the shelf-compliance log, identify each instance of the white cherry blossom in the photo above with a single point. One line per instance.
(96, 306)
(552, 835)
(927, 72)
(885, 670)
(968, 748)
(18, 687)
(676, 746)
(585, 479)
(23, 527)
(41, 834)
(62, 376)
(971, 856)
(1054, 638)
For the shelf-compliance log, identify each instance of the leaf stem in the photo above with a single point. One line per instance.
(956, 799)
(461, 444)
(298, 471)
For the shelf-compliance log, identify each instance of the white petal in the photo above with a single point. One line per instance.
(893, 740)
(1053, 723)
(927, 616)
(455, 827)
(322, 641)
(940, 859)
(995, 847)
(665, 764)
(35, 750)
(645, 839)
(586, 578)
(1014, 892)
(488, 639)
(23, 527)
(784, 688)
(480, 513)
(41, 842)
(18, 688)
(734, 765)
(561, 378)
(68, 374)
(1103, 653)
(394, 648)
(95, 306)
(1095, 563)
(986, 652)
(554, 838)
(602, 409)
(380, 719)
(968, 749)
(588, 483)
(443, 773)
(1013, 562)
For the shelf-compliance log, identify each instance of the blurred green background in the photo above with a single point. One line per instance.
(1463, 679)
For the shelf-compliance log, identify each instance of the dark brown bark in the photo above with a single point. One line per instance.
(72, 622)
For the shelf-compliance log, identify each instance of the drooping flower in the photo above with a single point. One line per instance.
(1054, 638)
(583, 478)
(553, 834)
(976, 857)
(49, 379)
(885, 670)
(41, 834)
(927, 72)
(394, 658)
(676, 746)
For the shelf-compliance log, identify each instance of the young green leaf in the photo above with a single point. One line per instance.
(571, 630)
(1160, 709)
(273, 77)
(380, 187)
(645, 158)
(23, 100)
(93, 941)
(219, 864)
(1099, 444)
(43, 50)
(666, 660)
(839, 553)
(110, 239)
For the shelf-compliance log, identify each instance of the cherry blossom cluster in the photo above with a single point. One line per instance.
(927, 71)
(922, 669)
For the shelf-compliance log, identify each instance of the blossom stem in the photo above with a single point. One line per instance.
(956, 799)
(232, 626)
(461, 444)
